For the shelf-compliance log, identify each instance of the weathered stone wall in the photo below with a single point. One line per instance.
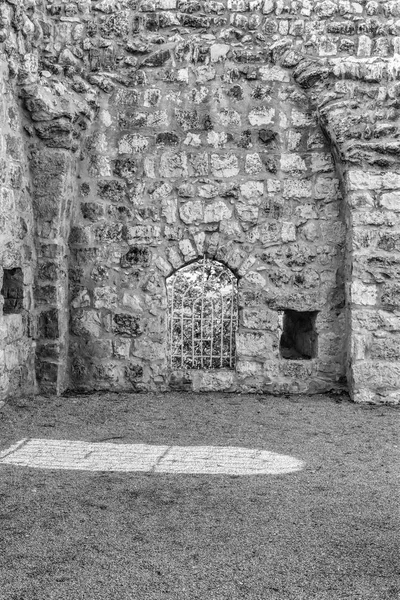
(17, 328)
(172, 129)
(205, 159)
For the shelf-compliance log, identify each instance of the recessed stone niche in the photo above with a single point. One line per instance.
(299, 339)
(13, 291)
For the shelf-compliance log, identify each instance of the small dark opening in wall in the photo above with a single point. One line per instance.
(13, 291)
(299, 339)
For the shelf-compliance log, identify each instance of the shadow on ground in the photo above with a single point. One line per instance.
(326, 532)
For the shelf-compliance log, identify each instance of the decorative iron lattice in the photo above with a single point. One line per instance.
(202, 316)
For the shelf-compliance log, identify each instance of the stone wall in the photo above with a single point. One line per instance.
(161, 131)
(204, 159)
(17, 325)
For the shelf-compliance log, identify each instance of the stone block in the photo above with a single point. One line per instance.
(47, 375)
(167, 138)
(109, 232)
(297, 189)
(217, 211)
(97, 348)
(256, 344)
(187, 119)
(192, 211)
(136, 256)
(121, 348)
(11, 356)
(86, 323)
(274, 73)
(50, 171)
(173, 165)
(253, 164)
(146, 234)
(48, 324)
(249, 368)
(391, 201)
(390, 296)
(132, 142)
(132, 300)
(13, 327)
(105, 297)
(247, 214)
(149, 350)
(199, 164)
(260, 318)
(229, 118)
(293, 163)
(93, 211)
(213, 381)
(219, 52)
(224, 165)
(187, 249)
(193, 139)
(127, 325)
(133, 373)
(252, 191)
(363, 395)
(374, 375)
(288, 232)
(386, 348)
(261, 116)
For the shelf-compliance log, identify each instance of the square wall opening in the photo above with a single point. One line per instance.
(299, 338)
(13, 291)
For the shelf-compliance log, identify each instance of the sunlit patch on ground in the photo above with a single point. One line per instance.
(86, 456)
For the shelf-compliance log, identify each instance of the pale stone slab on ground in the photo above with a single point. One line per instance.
(87, 456)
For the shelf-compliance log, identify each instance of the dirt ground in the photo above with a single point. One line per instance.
(327, 532)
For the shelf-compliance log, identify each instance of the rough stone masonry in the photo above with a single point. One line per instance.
(140, 135)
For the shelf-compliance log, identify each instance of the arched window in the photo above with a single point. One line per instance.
(202, 316)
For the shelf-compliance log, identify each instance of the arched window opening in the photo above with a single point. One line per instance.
(202, 316)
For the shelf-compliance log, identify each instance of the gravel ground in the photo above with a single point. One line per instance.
(327, 532)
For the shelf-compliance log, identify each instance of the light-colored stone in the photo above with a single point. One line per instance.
(261, 116)
(391, 201)
(217, 211)
(224, 165)
(257, 345)
(362, 294)
(191, 211)
(219, 52)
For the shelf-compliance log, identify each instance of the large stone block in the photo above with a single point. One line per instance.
(256, 345)
(260, 318)
(50, 175)
(213, 381)
(375, 375)
(386, 348)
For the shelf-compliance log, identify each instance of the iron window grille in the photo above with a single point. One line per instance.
(202, 316)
